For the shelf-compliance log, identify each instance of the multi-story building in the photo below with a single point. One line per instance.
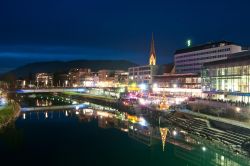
(121, 76)
(21, 83)
(228, 79)
(188, 84)
(143, 74)
(191, 59)
(44, 80)
(77, 76)
(61, 80)
(103, 75)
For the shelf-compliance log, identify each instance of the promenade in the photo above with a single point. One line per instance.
(220, 119)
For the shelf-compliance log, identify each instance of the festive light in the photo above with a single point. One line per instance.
(163, 132)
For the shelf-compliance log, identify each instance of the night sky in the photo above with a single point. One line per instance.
(41, 30)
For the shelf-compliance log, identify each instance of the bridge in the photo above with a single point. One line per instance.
(72, 106)
(63, 89)
(28, 109)
(50, 90)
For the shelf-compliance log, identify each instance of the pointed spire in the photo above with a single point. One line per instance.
(152, 48)
(152, 55)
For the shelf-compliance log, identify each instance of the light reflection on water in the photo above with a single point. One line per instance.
(129, 138)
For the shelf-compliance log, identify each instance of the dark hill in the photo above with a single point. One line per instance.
(60, 66)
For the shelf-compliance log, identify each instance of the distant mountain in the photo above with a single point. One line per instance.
(60, 66)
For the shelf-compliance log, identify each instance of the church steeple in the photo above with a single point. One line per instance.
(152, 55)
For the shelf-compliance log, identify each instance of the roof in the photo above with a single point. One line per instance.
(241, 57)
(177, 75)
(203, 47)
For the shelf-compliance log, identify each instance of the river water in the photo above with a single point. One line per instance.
(97, 135)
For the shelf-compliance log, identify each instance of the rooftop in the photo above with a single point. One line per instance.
(240, 57)
(204, 46)
(176, 75)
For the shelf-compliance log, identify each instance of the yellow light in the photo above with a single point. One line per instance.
(133, 85)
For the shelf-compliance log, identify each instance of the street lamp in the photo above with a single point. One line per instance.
(174, 133)
(237, 109)
(174, 85)
(204, 148)
(66, 83)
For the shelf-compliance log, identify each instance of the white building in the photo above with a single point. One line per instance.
(142, 74)
(191, 59)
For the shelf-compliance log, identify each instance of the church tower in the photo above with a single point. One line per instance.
(152, 55)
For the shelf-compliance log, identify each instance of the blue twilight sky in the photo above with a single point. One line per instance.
(41, 30)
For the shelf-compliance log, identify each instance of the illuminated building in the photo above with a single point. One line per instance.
(104, 75)
(228, 79)
(142, 74)
(77, 76)
(191, 59)
(188, 84)
(21, 83)
(121, 77)
(44, 79)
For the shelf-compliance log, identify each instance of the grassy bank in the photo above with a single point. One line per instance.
(218, 112)
(102, 100)
(8, 113)
(90, 96)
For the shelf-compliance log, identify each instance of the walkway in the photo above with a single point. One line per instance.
(218, 104)
(220, 119)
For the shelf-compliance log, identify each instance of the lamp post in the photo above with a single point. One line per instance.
(237, 109)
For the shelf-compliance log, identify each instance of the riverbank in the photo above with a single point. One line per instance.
(8, 113)
(90, 96)
(220, 109)
(108, 101)
(102, 100)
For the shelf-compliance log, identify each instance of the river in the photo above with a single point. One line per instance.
(98, 135)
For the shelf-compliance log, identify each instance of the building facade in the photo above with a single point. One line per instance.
(228, 79)
(179, 84)
(77, 76)
(104, 75)
(142, 74)
(191, 59)
(44, 80)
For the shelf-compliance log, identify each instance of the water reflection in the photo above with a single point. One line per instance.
(160, 138)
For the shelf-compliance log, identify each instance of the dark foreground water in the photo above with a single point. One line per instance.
(97, 138)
